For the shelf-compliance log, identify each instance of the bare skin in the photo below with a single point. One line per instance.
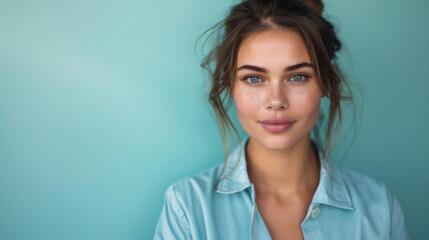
(282, 166)
(282, 208)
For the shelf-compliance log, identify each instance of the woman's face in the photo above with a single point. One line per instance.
(276, 94)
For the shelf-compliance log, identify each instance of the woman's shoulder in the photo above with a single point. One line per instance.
(373, 199)
(184, 201)
(201, 183)
(360, 181)
(365, 190)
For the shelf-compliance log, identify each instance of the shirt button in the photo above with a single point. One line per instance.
(315, 212)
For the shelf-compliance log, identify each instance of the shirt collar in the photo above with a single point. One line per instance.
(331, 190)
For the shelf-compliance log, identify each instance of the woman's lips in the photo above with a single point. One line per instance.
(277, 125)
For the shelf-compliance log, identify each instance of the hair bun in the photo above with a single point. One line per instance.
(315, 6)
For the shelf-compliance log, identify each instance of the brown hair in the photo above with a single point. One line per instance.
(253, 16)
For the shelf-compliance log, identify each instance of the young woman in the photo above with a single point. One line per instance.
(276, 61)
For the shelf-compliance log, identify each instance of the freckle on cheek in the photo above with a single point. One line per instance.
(246, 102)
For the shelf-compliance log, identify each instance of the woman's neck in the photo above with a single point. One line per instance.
(283, 173)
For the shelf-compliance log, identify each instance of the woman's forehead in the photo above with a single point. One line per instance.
(273, 47)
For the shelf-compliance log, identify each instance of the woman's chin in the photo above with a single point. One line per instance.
(278, 143)
(278, 146)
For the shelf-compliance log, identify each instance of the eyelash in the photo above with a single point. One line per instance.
(252, 75)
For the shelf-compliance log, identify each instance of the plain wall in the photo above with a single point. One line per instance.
(102, 106)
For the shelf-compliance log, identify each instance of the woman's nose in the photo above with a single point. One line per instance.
(276, 97)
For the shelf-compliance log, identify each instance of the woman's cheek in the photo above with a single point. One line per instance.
(306, 98)
(247, 103)
(311, 106)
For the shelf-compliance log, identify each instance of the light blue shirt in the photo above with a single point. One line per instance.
(353, 206)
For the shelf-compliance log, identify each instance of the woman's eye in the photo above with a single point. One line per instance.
(252, 79)
(298, 78)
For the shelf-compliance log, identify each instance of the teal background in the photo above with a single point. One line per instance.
(102, 106)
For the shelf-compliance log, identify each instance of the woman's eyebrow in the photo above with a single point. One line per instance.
(298, 66)
(287, 69)
(254, 68)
